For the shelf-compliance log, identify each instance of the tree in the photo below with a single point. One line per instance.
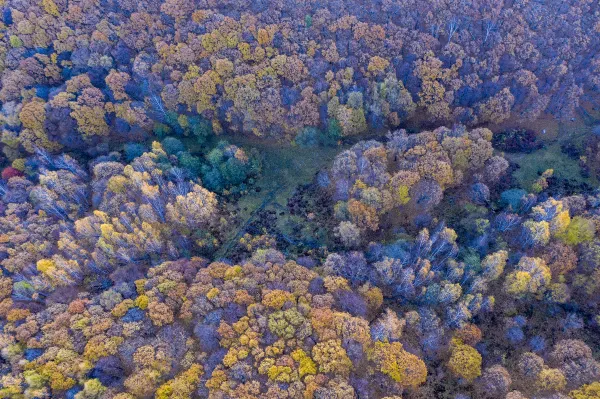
(465, 361)
(433, 93)
(589, 391)
(348, 233)
(494, 382)
(531, 276)
(497, 109)
(578, 231)
(535, 233)
(493, 265)
(403, 367)
(117, 82)
(331, 357)
(363, 215)
(182, 386)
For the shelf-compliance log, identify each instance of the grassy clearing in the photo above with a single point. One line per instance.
(550, 156)
(284, 168)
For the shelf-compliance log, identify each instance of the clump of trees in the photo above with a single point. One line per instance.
(406, 177)
(229, 166)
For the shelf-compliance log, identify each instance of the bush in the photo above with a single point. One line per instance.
(516, 140)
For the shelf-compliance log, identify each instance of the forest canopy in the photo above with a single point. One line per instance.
(299, 199)
(81, 73)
